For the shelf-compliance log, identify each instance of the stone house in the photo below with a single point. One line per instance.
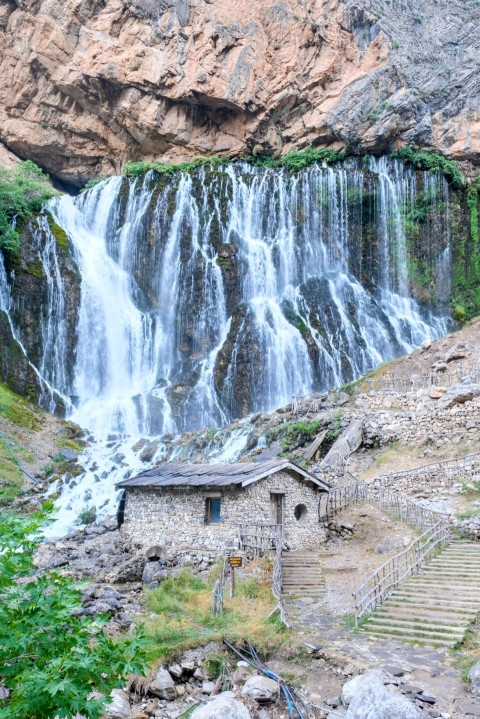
(201, 505)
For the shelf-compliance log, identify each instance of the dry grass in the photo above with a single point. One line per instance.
(182, 606)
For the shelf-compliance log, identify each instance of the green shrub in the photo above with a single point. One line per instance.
(52, 657)
(431, 162)
(94, 181)
(23, 190)
(137, 169)
(88, 515)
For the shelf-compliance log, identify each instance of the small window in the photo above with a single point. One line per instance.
(213, 510)
(300, 512)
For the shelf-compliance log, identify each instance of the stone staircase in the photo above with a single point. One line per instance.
(437, 605)
(302, 575)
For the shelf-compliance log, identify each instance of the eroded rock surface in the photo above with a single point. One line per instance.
(87, 84)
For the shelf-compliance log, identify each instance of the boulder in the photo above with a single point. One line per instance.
(436, 392)
(474, 676)
(139, 714)
(148, 452)
(120, 706)
(225, 706)
(4, 692)
(154, 572)
(69, 454)
(263, 689)
(459, 350)
(439, 366)
(459, 393)
(368, 698)
(241, 674)
(163, 685)
(426, 344)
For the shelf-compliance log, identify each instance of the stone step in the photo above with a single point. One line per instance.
(456, 608)
(437, 599)
(409, 631)
(422, 626)
(416, 640)
(445, 619)
(469, 590)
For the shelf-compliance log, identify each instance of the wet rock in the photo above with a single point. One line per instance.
(163, 685)
(138, 445)
(69, 454)
(120, 706)
(263, 689)
(225, 706)
(148, 452)
(118, 458)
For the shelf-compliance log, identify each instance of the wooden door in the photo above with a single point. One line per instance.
(276, 508)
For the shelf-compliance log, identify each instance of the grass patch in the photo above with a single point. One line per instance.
(182, 605)
(18, 411)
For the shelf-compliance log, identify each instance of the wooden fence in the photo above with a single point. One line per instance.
(260, 539)
(379, 585)
(385, 499)
(391, 382)
(436, 474)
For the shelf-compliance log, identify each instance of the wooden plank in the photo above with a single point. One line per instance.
(315, 445)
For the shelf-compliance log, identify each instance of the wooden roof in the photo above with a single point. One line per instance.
(215, 475)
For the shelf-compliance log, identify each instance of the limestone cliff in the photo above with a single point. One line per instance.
(87, 84)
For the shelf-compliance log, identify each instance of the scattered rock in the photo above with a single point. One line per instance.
(437, 392)
(120, 706)
(263, 689)
(426, 344)
(148, 452)
(474, 675)
(368, 698)
(225, 706)
(163, 685)
(459, 350)
(69, 454)
(459, 393)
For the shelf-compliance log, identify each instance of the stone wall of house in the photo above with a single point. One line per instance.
(176, 517)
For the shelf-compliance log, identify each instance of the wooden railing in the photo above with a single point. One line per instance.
(395, 383)
(377, 587)
(436, 474)
(385, 499)
(262, 538)
(259, 538)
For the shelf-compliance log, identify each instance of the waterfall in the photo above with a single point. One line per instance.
(219, 293)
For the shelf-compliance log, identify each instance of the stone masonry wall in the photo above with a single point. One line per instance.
(176, 517)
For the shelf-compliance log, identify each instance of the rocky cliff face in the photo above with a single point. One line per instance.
(87, 84)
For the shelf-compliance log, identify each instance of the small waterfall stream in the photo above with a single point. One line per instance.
(224, 292)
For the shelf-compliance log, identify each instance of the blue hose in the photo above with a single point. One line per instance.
(16, 460)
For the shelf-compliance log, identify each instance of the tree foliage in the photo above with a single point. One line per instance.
(23, 190)
(51, 657)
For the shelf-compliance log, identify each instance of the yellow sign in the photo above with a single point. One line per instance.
(235, 561)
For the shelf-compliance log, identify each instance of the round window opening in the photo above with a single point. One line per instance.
(300, 512)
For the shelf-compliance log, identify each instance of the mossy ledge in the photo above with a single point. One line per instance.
(58, 232)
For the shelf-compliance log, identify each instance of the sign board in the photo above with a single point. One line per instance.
(235, 562)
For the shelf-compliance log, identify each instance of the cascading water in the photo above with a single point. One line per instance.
(224, 292)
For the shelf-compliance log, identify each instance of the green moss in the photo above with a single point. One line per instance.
(379, 110)
(18, 411)
(58, 232)
(431, 162)
(35, 269)
(137, 169)
(297, 160)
